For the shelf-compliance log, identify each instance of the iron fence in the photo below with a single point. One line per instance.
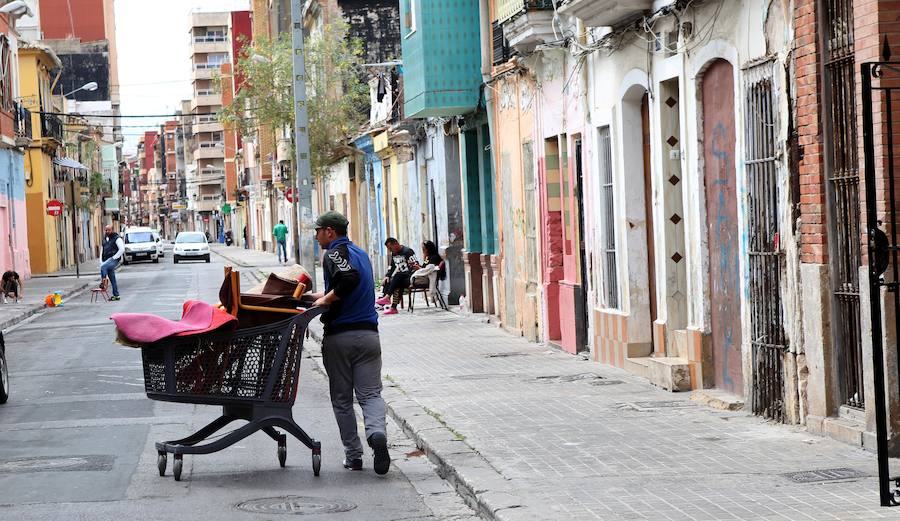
(843, 182)
(768, 340)
(51, 127)
(880, 87)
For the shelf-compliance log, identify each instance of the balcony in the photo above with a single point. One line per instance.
(209, 150)
(213, 126)
(206, 100)
(209, 44)
(51, 127)
(602, 13)
(22, 125)
(205, 71)
(437, 83)
(526, 23)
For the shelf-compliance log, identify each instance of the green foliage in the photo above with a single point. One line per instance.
(336, 96)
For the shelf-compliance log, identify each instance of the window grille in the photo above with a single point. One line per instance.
(608, 224)
(768, 341)
(843, 186)
(501, 50)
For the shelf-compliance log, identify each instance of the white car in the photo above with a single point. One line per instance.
(190, 245)
(160, 244)
(140, 244)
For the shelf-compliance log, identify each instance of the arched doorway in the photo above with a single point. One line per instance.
(722, 224)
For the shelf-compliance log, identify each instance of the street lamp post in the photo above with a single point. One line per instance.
(90, 86)
(302, 180)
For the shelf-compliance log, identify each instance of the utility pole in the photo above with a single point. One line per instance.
(302, 180)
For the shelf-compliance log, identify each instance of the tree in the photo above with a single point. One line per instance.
(336, 96)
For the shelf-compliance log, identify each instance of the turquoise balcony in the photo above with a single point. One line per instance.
(441, 57)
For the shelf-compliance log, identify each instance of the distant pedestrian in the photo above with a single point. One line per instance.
(246, 242)
(280, 232)
(351, 347)
(113, 250)
(397, 278)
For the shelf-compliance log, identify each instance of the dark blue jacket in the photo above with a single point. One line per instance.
(349, 273)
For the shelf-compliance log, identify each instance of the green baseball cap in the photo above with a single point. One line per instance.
(335, 220)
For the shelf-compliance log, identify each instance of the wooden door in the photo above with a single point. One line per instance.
(722, 225)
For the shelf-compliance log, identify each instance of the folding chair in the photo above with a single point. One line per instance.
(101, 291)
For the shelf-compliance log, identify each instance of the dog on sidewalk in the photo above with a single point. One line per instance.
(11, 286)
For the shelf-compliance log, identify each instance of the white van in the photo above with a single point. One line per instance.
(140, 244)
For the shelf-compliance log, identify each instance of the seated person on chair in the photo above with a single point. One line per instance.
(12, 286)
(403, 264)
(432, 261)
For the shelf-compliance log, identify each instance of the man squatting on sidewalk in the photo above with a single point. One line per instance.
(351, 348)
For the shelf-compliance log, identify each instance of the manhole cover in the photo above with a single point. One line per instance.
(297, 505)
(57, 464)
(485, 376)
(818, 476)
(505, 355)
(581, 377)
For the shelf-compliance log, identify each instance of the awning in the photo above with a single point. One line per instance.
(68, 163)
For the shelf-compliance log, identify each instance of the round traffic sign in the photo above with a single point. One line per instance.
(289, 195)
(54, 207)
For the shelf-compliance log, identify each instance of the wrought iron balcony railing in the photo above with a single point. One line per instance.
(51, 127)
(22, 122)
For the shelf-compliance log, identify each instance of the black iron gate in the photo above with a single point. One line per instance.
(844, 198)
(881, 86)
(768, 340)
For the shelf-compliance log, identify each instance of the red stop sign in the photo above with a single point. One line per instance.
(54, 207)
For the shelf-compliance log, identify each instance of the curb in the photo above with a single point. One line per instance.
(456, 461)
(38, 308)
(231, 259)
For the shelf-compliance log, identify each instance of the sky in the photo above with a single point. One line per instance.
(154, 57)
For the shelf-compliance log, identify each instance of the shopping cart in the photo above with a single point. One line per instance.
(252, 373)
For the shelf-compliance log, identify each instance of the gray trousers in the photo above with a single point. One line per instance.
(353, 362)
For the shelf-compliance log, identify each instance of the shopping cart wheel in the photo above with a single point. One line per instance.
(161, 461)
(282, 450)
(176, 468)
(317, 464)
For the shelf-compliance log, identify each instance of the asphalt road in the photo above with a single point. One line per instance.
(77, 435)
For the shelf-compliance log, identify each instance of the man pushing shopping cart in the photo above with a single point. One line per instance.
(351, 348)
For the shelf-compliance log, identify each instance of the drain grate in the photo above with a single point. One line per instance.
(818, 476)
(57, 464)
(296, 505)
(509, 354)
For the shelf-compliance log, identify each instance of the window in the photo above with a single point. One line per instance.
(410, 20)
(610, 286)
(6, 79)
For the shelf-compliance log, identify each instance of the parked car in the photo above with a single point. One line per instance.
(141, 244)
(190, 246)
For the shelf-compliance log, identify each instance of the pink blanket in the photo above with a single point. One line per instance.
(197, 317)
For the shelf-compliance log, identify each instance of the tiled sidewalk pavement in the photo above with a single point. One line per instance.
(247, 258)
(529, 432)
(36, 288)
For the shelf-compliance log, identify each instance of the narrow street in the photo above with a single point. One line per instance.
(78, 432)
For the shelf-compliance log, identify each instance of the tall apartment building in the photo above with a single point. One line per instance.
(210, 48)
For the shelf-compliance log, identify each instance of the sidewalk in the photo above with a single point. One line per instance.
(246, 258)
(526, 432)
(37, 287)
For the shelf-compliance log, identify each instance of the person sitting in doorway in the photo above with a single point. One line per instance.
(433, 261)
(11, 286)
(396, 280)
